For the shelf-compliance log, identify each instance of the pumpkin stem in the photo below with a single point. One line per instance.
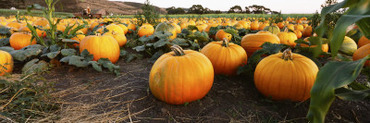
(287, 54)
(225, 42)
(178, 50)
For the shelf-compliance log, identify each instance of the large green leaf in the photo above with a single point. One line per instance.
(333, 75)
(7, 49)
(160, 43)
(27, 52)
(78, 61)
(68, 52)
(34, 66)
(348, 94)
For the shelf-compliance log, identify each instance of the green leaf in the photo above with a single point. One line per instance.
(330, 77)
(160, 43)
(34, 66)
(69, 41)
(145, 39)
(96, 66)
(51, 55)
(27, 52)
(85, 54)
(364, 26)
(351, 95)
(139, 48)
(5, 31)
(7, 49)
(78, 61)
(4, 42)
(54, 48)
(65, 59)
(68, 52)
(180, 42)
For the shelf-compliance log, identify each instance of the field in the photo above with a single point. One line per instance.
(7, 12)
(257, 68)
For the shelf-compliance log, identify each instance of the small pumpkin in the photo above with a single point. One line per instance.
(298, 33)
(120, 38)
(221, 34)
(287, 38)
(363, 41)
(361, 53)
(132, 27)
(20, 40)
(285, 76)
(124, 28)
(101, 47)
(225, 57)
(115, 28)
(254, 25)
(348, 46)
(6, 63)
(252, 42)
(307, 32)
(281, 25)
(79, 37)
(146, 30)
(181, 76)
(272, 29)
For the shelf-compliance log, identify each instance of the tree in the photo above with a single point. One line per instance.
(196, 9)
(173, 10)
(257, 9)
(235, 9)
(247, 10)
(148, 15)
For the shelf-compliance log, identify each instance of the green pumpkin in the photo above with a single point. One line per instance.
(349, 46)
(272, 29)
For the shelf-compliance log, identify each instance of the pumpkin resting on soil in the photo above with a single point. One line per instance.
(285, 76)
(181, 76)
(101, 47)
(225, 57)
(252, 42)
(6, 63)
(20, 40)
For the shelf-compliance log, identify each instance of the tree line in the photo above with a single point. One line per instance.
(199, 9)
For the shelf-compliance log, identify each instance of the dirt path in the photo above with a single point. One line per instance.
(89, 96)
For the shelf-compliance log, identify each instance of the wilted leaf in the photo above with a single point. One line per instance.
(34, 66)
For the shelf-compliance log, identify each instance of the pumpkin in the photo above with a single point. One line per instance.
(348, 46)
(324, 47)
(281, 25)
(79, 37)
(120, 38)
(181, 76)
(252, 42)
(363, 41)
(272, 29)
(146, 30)
(166, 27)
(19, 40)
(41, 22)
(225, 57)
(290, 26)
(254, 25)
(6, 63)
(245, 24)
(262, 26)
(221, 34)
(177, 27)
(361, 53)
(285, 76)
(307, 32)
(115, 28)
(124, 28)
(201, 27)
(14, 25)
(287, 38)
(299, 27)
(298, 33)
(101, 47)
(132, 27)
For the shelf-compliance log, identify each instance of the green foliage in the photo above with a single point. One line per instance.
(25, 99)
(149, 14)
(335, 75)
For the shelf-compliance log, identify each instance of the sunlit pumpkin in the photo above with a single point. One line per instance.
(6, 63)
(287, 38)
(120, 38)
(298, 33)
(101, 47)
(114, 28)
(221, 34)
(19, 40)
(348, 46)
(146, 30)
(361, 53)
(252, 42)
(254, 25)
(225, 57)
(132, 27)
(181, 76)
(272, 29)
(79, 36)
(285, 76)
(124, 28)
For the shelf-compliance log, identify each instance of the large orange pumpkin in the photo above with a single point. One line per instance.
(19, 40)
(114, 28)
(252, 42)
(285, 76)
(181, 76)
(101, 47)
(6, 63)
(221, 34)
(225, 57)
(361, 53)
(363, 41)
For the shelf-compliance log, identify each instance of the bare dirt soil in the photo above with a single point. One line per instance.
(90, 96)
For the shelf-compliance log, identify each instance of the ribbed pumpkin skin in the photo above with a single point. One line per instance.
(221, 34)
(101, 47)
(361, 53)
(225, 60)
(6, 60)
(285, 79)
(287, 38)
(252, 42)
(348, 46)
(146, 30)
(181, 79)
(115, 28)
(19, 40)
